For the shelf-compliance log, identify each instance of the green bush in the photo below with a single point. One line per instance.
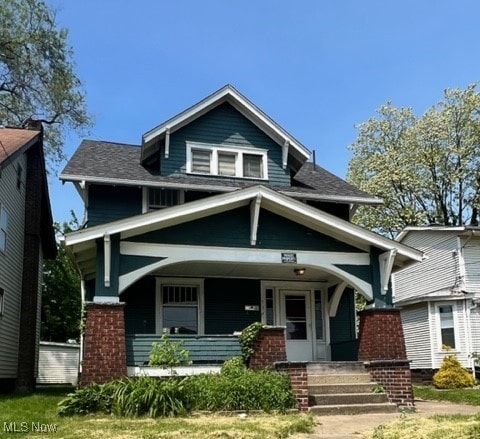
(239, 388)
(129, 397)
(235, 388)
(452, 375)
(247, 340)
(168, 353)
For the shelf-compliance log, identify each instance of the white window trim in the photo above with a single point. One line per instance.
(145, 197)
(238, 151)
(160, 281)
(438, 325)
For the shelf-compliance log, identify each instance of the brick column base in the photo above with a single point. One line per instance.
(396, 379)
(104, 349)
(382, 349)
(298, 380)
(269, 348)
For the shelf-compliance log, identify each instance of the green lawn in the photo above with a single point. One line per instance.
(37, 414)
(469, 396)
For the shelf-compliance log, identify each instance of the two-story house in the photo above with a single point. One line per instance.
(217, 220)
(26, 239)
(440, 297)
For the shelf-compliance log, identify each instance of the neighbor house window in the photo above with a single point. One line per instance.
(447, 326)
(179, 306)
(2, 301)
(3, 228)
(19, 176)
(227, 161)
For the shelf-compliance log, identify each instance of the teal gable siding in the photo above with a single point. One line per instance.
(232, 229)
(225, 301)
(110, 203)
(224, 125)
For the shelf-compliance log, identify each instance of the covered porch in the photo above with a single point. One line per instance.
(205, 270)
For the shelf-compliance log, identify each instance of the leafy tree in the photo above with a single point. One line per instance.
(36, 74)
(61, 300)
(425, 168)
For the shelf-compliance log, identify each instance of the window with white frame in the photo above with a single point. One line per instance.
(227, 161)
(159, 198)
(447, 325)
(3, 228)
(179, 306)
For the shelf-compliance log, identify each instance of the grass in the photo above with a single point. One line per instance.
(41, 409)
(435, 427)
(469, 396)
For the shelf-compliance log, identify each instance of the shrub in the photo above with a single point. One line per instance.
(239, 388)
(129, 397)
(452, 375)
(247, 340)
(168, 353)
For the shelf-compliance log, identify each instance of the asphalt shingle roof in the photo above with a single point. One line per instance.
(13, 140)
(109, 162)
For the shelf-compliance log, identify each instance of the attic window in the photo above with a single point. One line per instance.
(159, 198)
(226, 161)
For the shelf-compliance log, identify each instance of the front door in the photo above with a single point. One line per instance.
(295, 313)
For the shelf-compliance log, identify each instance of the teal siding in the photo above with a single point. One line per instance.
(224, 125)
(363, 272)
(343, 341)
(232, 229)
(110, 203)
(225, 301)
(140, 307)
(202, 349)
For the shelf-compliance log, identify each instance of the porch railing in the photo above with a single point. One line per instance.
(203, 349)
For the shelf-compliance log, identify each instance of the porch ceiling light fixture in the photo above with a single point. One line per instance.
(299, 271)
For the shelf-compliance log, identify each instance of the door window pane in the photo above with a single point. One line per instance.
(318, 315)
(296, 317)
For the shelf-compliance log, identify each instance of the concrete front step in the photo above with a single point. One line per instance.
(347, 399)
(329, 389)
(335, 367)
(340, 378)
(352, 409)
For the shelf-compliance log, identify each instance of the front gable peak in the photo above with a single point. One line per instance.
(291, 147)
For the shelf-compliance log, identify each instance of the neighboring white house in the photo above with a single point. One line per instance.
(440, 297)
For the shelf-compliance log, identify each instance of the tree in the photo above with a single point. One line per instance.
(61, 299)
(36, 74)
(425, 168)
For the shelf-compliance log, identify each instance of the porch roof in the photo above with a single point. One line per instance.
(83, 242)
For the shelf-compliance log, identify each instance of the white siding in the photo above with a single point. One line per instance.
(417, 335)
(11, 265)
(58, 363)
(435, 273)
(475, 328)
(471, 256)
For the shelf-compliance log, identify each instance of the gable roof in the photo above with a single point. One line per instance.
(119, 163)
(456, 230)
(83, 241)
(15, 141)
(229, 94)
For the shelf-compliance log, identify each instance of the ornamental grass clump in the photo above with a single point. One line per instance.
(452, 375)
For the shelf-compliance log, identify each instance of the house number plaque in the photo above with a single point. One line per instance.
(289, 258)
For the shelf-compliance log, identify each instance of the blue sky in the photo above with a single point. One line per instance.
(316, 67)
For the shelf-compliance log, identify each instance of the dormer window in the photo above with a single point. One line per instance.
(226, 161)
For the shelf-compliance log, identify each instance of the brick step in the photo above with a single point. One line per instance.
(336, 367)
(328, 389)
(347, 399)
(340, 378)
(352, 409)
